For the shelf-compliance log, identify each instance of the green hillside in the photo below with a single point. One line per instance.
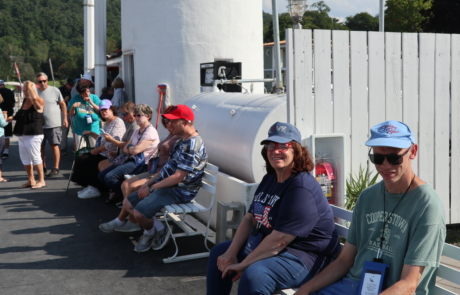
(32, 31)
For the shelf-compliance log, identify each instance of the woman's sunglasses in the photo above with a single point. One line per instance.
(393, 159)
(277, 146)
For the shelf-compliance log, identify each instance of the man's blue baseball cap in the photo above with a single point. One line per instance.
(391, 134)
(283, 133)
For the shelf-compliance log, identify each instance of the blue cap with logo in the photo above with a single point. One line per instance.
(391, 134)
(283, 133)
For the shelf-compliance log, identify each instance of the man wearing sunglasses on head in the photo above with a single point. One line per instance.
(398, 228)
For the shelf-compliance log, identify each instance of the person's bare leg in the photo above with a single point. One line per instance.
(56, 155)
(41, 176)
(30, 176)
(104, 164)
(7, 143)
(42, 150)
(131, 185)
(145, 223)
(125, 210)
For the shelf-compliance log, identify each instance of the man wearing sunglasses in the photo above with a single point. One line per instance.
(398, 224)
(52, 128)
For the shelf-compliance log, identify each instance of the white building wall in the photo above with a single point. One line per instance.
(169, 40)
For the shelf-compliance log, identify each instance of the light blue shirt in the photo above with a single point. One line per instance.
(3, 123)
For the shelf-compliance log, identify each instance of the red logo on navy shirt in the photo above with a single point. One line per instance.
(388, 129)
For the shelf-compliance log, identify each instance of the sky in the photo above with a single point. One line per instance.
(339, 8)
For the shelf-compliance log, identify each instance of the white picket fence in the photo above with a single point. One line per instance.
(346, 82)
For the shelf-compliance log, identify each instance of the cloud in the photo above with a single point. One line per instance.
(339, 8)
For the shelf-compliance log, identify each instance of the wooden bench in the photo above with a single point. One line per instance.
(178, 214)
(444, 272)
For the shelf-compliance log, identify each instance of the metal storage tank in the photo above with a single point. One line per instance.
(165, 42)
(232, 126)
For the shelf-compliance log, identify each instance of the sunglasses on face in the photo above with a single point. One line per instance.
(42, 81)
(139, 115)
(393, 159)
(277, 146)
(124, 114)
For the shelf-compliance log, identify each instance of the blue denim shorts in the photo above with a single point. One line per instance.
(153, 203)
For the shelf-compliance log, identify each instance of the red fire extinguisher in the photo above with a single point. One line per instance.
(325, 177)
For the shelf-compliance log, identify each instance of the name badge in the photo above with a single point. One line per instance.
(372, 278)
(253, 241)
(89, 119)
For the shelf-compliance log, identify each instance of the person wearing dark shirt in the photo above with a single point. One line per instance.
(288, 234)
(7, 107)
(65, 91)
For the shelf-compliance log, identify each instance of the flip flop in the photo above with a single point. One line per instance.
(35, 186)
(4, 180)
(26, 186)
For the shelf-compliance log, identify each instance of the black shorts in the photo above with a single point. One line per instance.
(8, 130)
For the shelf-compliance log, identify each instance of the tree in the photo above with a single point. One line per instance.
(312, 19)
(444, 17)
(407, 15)
(362, 21)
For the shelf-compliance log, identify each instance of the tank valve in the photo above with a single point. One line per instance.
(193, 107)
(232, 112)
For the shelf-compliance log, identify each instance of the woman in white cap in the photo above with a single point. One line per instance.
(85, 169)
(288, 234)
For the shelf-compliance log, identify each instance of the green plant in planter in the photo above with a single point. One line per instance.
(357, 184)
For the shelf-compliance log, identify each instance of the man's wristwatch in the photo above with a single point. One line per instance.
(151, 189)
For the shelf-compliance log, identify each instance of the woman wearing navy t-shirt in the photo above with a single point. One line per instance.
(288, 234)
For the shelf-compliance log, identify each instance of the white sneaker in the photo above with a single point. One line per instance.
(128, 227)
(82, 191)
(91, 192)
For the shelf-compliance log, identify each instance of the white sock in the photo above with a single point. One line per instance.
(150, 232)
(5, 151)
(158, 225)
(119, 222)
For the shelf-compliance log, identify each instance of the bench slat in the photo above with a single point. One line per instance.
(441, 291)
(341, 230)
(451, 251)
(448, 273)
(342, 213)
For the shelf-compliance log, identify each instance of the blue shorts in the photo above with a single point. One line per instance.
(342, 287)
(153, 203)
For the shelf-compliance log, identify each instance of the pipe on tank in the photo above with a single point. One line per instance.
(238, 81)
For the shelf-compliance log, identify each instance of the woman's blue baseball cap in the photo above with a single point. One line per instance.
(391, 134)
(283, 133)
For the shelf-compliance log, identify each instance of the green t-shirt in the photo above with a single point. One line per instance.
(414, 234)
(79, 119)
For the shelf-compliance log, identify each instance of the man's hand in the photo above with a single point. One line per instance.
(93, 152)
(225, 260)
(76, 105)
(65, 123)
(113, 155)
(144, 191)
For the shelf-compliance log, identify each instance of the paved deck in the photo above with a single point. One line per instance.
(51, 244)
